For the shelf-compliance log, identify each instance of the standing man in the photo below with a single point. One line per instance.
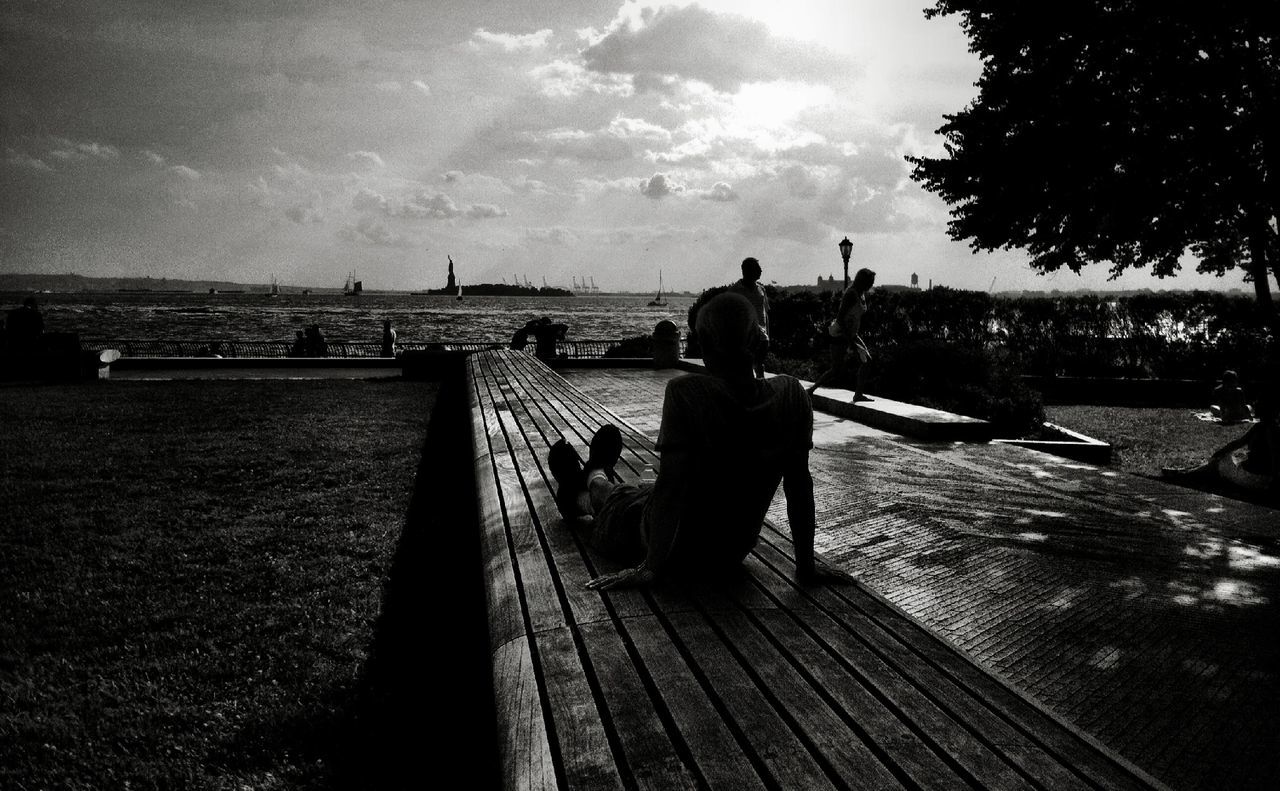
(749, 287)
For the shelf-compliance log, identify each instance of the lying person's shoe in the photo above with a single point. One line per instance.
(606, 448)
(566, 468)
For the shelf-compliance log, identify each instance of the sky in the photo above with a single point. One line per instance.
(564, 139)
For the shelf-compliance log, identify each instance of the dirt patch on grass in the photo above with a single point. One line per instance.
(192, 575)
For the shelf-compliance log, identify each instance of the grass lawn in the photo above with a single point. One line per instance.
(192, 575)
(1145, 439)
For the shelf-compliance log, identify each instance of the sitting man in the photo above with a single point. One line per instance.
(726, 441)
(1229, 404)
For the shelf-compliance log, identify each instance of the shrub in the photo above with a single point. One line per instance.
(639, 346)
(978, 383)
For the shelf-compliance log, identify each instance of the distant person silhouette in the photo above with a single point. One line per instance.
(317, 346)
(299, 345)
(849, 353)
(546, 334)
(727, 439)
(749, 287)
(388, 339)
(24, 327)
(1229, 404)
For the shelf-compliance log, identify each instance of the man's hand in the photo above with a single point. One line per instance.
(821, 575)
(627, 578)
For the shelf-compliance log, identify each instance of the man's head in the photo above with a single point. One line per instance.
(726, 328)
(864, 280)
(750, 270)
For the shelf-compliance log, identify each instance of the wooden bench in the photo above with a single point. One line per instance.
(753, 683)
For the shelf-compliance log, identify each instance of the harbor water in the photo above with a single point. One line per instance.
(425, 319)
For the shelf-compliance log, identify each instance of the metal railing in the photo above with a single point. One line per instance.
(151, 347)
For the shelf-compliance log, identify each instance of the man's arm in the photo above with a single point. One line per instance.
(797, 484)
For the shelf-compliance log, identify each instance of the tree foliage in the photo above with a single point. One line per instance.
(1121, 132)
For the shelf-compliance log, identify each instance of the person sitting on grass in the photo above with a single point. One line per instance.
(1251, 462)
(726, 440)
(1229, 404)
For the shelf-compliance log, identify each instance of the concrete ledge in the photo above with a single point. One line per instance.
(1074, 445)
(215, 363)
(909, 420)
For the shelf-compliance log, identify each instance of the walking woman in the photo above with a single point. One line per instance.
(849, 354)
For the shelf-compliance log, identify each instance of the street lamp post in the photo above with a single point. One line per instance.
(846, 247)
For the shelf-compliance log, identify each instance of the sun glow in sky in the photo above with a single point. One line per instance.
(244, 140)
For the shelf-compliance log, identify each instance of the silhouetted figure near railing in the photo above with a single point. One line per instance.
(749, 287)
(299, 348)
(388, 339)
(24, 328)
(316, 344)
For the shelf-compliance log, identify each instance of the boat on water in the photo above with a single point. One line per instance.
(353, 287)
(658, 301)
(275, 289)
(459, 292)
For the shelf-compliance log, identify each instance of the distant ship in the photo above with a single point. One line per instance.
(275, 288)
(353, 287)
(658, 301)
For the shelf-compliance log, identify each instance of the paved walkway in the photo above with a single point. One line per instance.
(1146, 614)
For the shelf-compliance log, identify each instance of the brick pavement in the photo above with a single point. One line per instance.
(1146, 614)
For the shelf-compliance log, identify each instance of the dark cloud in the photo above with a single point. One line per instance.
(722, 50)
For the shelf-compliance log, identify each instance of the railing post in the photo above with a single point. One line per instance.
(666, 344)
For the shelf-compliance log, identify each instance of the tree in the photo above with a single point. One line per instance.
(1127, 132)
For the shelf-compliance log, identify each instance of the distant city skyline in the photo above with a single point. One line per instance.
(569, 138)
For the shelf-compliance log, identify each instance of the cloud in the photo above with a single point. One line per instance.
(368, 230)
(368, 200)
(511, 42)
(484, 211)
(722, 50)
(422, 87)
(423, 206)
(70, 151)
(568, 79)
(720, 191)
(182, 171)
(153, 157)
(303, 215)
(367, 158)
(21, 160)
(558, 235)
(658, 186)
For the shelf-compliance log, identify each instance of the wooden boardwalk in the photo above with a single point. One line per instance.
(754, 682)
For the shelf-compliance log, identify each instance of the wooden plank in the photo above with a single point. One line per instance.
(835, 742)
(653, 760)
(770, 738)
(721, 760)
(582, 743)
(879, 724)
(523, 748)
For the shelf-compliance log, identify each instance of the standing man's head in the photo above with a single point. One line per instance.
(726, 328)
(750, 270)
(864, 280)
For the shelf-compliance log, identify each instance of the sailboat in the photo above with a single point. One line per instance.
(353, 287)
(275, 288)
(459, 292)
(658, 301)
